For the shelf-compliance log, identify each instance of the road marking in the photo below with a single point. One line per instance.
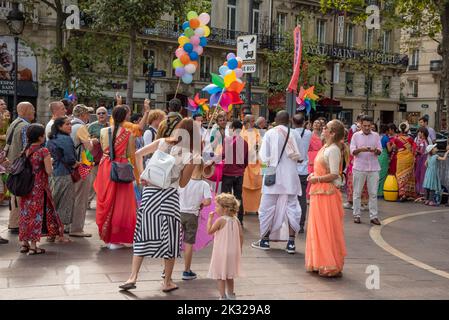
(376, 235)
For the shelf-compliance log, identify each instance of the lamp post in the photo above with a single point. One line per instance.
(16, 24)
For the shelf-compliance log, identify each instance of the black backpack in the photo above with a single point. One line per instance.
(20, 181)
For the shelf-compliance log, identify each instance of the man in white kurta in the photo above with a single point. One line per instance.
(279, 212)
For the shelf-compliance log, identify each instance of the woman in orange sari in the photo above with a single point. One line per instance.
(116, 205)
(405, 163)
(325, 244)
(252, 179)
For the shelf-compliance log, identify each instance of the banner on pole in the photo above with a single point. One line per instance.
(293, 86)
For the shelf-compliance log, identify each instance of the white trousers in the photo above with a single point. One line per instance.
(276, 213)
(372, 181)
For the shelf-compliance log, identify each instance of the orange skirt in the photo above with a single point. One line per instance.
(325, 244)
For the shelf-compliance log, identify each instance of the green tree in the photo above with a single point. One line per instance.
(425, 17)
(128, 17)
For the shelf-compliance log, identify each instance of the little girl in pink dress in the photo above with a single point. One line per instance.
(228, 241)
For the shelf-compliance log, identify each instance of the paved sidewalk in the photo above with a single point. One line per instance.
(270, 274)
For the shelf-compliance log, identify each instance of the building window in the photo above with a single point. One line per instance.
(369, 86)
(256, 18)
(349, 81)
(147, 55)
(413, 88)
(414, 61)
(231, 18)
(369, 38)
(282, 23)
(205, 68)
(349, 41)
(387, 41)
(321, 31)
(386, 83)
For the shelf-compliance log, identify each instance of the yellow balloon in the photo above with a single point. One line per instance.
(182, 40)
(206, 31)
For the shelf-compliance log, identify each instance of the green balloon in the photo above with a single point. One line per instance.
(192, 15)
(189, 32)
(177, 63)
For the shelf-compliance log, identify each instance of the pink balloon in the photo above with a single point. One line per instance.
(195, 40)
(204, 18)
(199, 50)
(239, 59)
(238, 73)
(180, 52)
(230, 56)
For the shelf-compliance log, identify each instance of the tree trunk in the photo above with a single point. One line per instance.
(60, 19)
(445, 55)
(132, 53)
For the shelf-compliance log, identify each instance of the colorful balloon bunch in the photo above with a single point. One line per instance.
(191, 45)
(307, 99)
(226, 87)
(197, 105)
(71, 97)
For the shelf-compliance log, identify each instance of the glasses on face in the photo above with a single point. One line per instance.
(101, 113)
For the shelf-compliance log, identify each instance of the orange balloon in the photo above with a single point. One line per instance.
(185, 59)
(194, 23)
(225, 64)
(240, 64)
(195, 63)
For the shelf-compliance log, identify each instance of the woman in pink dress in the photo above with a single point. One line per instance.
(315, 146)
(116, 204)
(228, 241)
(325, 243)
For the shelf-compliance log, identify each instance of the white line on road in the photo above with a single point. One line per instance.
(375, 234)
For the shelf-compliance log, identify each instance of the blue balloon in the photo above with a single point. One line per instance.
(187, 78)
(233, 64)
(193, 56)
(185, 25)
(203, 41)
(223, 70)
(188, 47)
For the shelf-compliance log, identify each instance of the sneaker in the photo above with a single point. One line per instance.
(231, 296)
(261, 244)
(114, 246)
(188, 275)
(93, 205)
(347, 205)
(291, 248)
(3, 241)
(301, 230)
(163, 274)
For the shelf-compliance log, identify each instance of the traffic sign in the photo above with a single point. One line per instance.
(247, 50)
(158, 74)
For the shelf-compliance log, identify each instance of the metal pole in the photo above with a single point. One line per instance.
(249, 77)
(333, 58)
(150, 73)
(367, 92)
(16, 64)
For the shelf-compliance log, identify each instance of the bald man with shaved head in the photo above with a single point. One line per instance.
(279, 206)
(15, 142)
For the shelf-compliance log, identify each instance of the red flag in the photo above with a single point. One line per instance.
(292, 87)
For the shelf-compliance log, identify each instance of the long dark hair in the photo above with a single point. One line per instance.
(56, 127)
(34, 132)
(119, 115)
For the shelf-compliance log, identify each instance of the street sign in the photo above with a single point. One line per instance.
(158, 74)
(425, 106)
(247, 50)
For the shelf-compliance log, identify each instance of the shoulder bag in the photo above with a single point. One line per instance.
(270, 179)
(120, 172)
(158, 169)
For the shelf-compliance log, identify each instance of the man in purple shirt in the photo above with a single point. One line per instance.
(366, 147)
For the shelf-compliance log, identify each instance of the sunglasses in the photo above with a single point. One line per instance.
(101, 113)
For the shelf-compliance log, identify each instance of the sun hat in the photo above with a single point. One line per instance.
(430, 147)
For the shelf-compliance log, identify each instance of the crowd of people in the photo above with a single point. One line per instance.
(162, 183)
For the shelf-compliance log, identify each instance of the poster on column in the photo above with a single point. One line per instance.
(27, 66)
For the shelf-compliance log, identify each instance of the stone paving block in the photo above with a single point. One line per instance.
(32, 292)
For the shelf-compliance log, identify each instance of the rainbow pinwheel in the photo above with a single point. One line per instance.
(307, 99)
(226, 87)
(197, 105)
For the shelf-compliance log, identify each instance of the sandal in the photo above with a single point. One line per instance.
(35, 251)
(24, 249)
(51, 239)
(64, 240)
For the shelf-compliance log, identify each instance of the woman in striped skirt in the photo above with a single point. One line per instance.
(158, 227)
